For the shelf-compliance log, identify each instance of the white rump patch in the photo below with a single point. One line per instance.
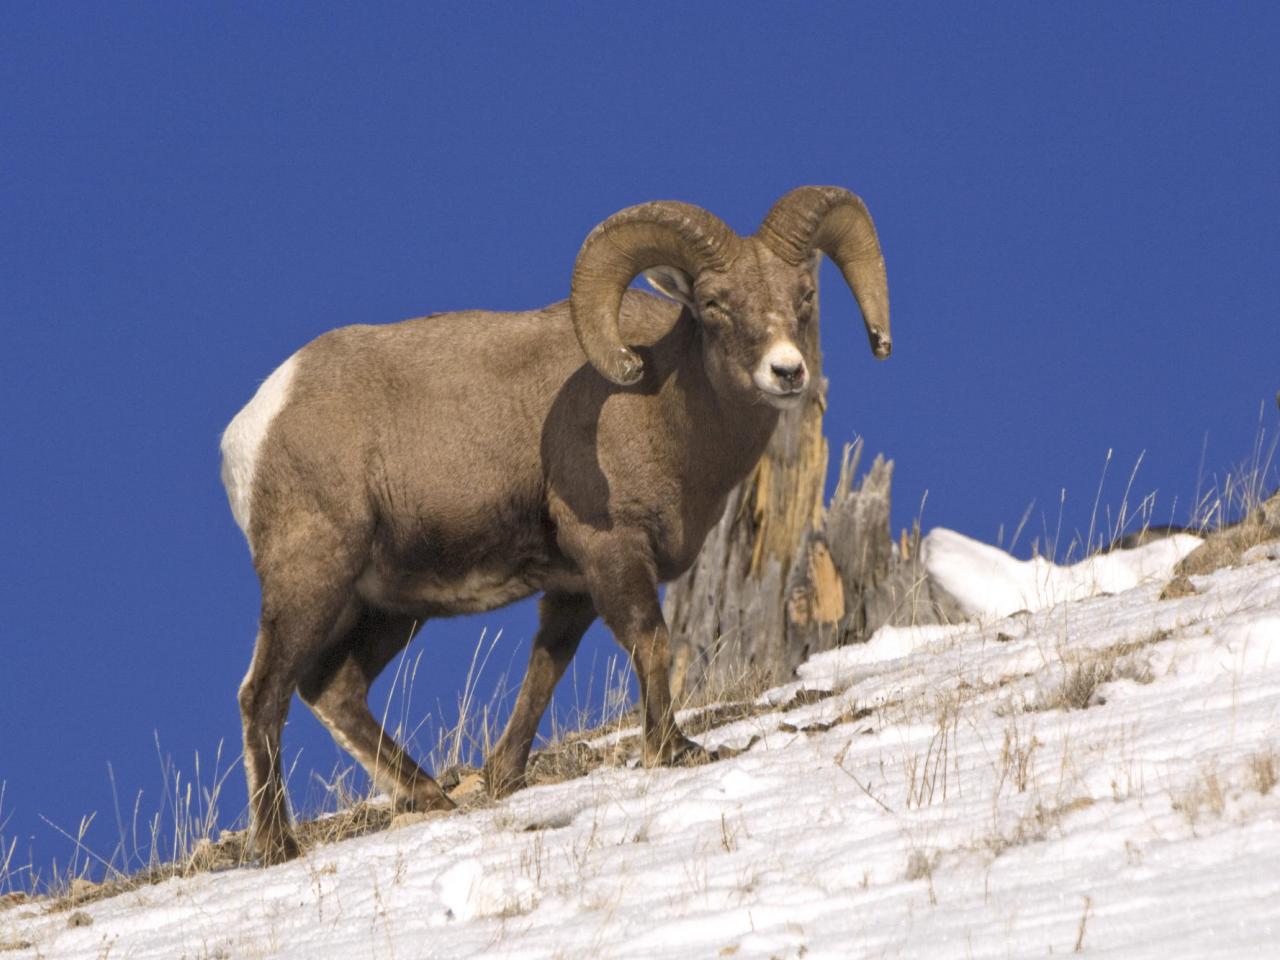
(242, 440)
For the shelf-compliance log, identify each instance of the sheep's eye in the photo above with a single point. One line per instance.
(806, 306)
(715, 306)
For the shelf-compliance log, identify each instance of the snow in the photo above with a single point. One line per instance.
(990, 583)
(944, 801)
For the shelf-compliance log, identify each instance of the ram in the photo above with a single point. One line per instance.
(387, 475)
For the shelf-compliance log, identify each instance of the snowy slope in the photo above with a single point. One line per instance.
(990, 583)
(1090, 776)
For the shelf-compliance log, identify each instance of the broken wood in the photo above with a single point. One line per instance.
(781, 578)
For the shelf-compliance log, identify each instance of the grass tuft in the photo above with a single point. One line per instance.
(1264, 771)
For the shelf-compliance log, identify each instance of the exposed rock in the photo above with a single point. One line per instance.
(467, 787)
(1179, 586)
(1226, 546)
(1262, 552)
(82, 889)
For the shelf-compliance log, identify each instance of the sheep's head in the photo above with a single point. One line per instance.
(753, 295)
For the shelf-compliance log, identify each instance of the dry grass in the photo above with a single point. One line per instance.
(1243, 487)
(1264, 770)
(920, 866)
(744, 684)
(1238, 512)
(928, 776)
(186, 837)
(1037, 824)
(1219, 500)
(1083, 674)
(1017, 752)
(1084, 920)
(474, 731)
(1209, 791)
(576, 758)
(173, 841)
(1204, 795)
(1080, 685)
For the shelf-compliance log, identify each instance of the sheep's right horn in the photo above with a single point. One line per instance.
(835, 221)
(664, 232)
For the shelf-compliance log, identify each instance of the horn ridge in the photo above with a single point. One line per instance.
(835, 221)
(660, 232)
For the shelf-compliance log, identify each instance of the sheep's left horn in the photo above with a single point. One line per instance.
(664, 232)
(835, 221)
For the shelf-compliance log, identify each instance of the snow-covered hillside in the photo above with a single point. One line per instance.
(1092, 774)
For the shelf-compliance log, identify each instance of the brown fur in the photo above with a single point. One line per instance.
(456, 463)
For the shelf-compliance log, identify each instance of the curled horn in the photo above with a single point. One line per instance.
(835, 221)
(663, 232)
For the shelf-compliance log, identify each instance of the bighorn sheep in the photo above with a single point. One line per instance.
(450, 464)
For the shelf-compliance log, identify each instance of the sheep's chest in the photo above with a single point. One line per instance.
(681, 533)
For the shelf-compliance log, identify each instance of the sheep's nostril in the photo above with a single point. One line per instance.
(791, 375)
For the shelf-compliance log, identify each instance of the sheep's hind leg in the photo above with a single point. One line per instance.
(565, 618)
(336, 688)
(291, 631)
(264, 704)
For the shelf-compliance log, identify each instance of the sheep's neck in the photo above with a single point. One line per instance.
(729, 434)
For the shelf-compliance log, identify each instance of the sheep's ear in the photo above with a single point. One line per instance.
(671, 282)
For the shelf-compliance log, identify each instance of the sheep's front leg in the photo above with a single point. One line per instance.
(565, 618)
(625, 591)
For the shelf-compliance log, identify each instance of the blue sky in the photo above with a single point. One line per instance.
(1079, 206)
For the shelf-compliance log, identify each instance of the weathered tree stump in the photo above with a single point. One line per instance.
(780, 578)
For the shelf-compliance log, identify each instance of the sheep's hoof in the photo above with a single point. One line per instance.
(683, 752)
(723, 752)
(501, 782)
(694, 758)
(689, 754)
(281, 848)
(430, 798)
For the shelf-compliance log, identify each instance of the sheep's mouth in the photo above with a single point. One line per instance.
(784, 399)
